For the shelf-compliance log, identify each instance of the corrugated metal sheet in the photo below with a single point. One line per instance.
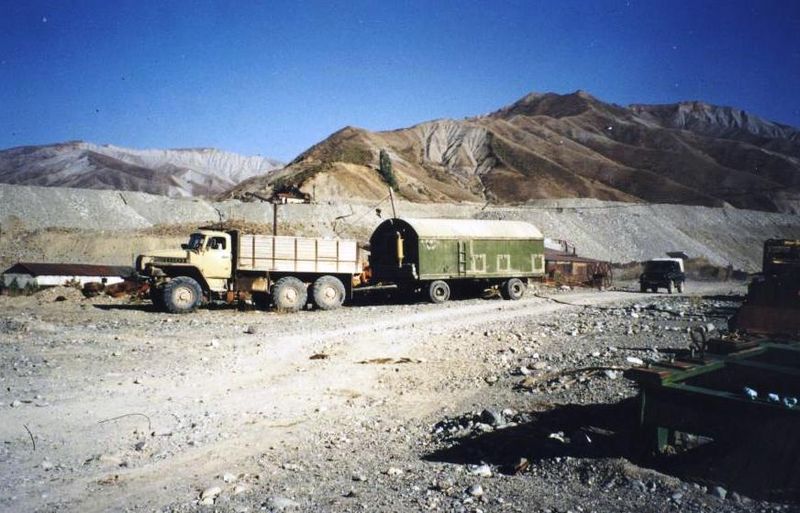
(472, 229)
(44, 269)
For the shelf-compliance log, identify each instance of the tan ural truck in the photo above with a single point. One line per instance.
(231, 266)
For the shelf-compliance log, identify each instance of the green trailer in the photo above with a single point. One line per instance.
(435, 255)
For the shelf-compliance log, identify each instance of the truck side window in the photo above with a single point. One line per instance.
(217, 243)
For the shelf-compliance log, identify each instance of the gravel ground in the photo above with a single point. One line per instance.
(474, 405)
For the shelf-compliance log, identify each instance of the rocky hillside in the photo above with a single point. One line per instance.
(182, 172)
(560, 146)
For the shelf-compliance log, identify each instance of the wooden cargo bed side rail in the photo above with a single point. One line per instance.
(298, 254)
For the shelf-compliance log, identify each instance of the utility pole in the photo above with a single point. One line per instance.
(274, 209)
(391, 198)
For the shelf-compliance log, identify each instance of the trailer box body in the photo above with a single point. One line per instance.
(404, 250)
(283, 254)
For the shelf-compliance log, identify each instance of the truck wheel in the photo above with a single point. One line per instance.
(670, 287)
(182, 295)
(157, 297)
(439, 291)
(512, 289)
(328, 292)
(289, 294)
(642, 287)
(680, 287)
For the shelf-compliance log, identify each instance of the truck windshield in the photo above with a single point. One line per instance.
(196, 241)
(660, 266)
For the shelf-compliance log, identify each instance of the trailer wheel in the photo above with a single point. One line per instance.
(328, 292)
(439, 291)
(182, 295)
(157, 297)
(289, 294)
(512, 288)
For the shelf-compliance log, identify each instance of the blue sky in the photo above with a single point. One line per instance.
(273, 78)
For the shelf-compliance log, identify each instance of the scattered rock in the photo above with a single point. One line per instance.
(481, 470)
(719, 492)
(278, 503)
(228, 477)
(475, 490)
(634, 361)
(140, 446)
(492, 417)
(210, 493)
(251, 330)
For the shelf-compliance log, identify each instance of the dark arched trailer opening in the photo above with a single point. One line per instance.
(409, 252)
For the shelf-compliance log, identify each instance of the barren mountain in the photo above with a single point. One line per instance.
(557, 146)
(181, 172)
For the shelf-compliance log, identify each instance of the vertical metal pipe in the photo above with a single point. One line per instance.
(274, 218)
(391, 197)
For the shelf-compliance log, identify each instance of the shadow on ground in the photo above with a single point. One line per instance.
(760, 471)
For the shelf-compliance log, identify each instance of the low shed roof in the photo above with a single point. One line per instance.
(473, 228)
(552, 255)
(39, 269)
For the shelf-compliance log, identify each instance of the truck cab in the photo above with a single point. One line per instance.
(665, 273)
(209, 252)
(182, 279)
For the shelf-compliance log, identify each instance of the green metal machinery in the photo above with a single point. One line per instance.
(749, 394)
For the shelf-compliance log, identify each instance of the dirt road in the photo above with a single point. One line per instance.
(135, 410)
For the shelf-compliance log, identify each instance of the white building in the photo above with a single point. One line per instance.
(24, 274)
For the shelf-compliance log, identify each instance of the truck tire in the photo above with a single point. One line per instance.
(642, 287)
(680, 287)
(157, 297)
(182, 295)
(289, 294)
(328, 292)
(438, 291)
(512, 288)
(670, 287)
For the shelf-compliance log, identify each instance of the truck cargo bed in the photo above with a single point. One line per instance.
(297, 254)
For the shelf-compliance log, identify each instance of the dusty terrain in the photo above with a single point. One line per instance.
(376, 407)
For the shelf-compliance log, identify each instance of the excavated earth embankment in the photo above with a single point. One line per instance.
(59, 224)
